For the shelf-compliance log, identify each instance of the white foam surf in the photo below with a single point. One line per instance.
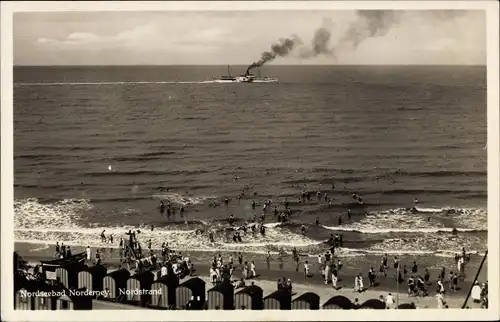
(60, 221)
(429, 210)
(399, 230)
(446, 246)
(118, 83)
(180, 199)
(182, 240)
(63, 221)
(29, 213)
(403, 221)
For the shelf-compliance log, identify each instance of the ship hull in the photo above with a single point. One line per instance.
(245, 78)
(272, 80)
(224, 80)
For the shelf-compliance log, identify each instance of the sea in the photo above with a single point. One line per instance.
(98, 147)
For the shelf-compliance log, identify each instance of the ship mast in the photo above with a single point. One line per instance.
(228, 70)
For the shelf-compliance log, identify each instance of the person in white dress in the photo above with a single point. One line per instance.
(356, 284)
(327, 273)
(389, 301)
(476, 293)
(461, 266)
(213, 275)
(360, 283)
(334, 278)
(252, 269)
(89, 253)
(440, 300)
(217, 274)
(174, 268)
(163, 270)
(440, 286)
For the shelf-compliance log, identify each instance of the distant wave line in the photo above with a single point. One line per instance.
(438, 252)
(114, 83)
(403, 230)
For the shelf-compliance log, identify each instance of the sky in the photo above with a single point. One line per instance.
(348, 37)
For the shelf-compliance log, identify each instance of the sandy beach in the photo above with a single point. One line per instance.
(269, 275)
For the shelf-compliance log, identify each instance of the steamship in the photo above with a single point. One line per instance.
(245, 78)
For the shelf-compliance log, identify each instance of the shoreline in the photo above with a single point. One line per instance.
(286, 268)
(356, 242)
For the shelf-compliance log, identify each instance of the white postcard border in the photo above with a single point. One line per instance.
(7, 222)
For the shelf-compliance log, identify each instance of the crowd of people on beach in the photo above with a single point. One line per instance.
(330, 266)
(220, 270)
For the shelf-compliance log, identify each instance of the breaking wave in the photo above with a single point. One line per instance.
(403, 220)
(30, 213)
(401, 232)
(447, 245)
(183, 200)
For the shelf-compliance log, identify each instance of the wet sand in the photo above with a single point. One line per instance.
(269, 275)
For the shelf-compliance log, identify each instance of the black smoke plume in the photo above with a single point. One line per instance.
(370, 23)
(282, 48)
(321, 41)
(320, 44)
(377, 23)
